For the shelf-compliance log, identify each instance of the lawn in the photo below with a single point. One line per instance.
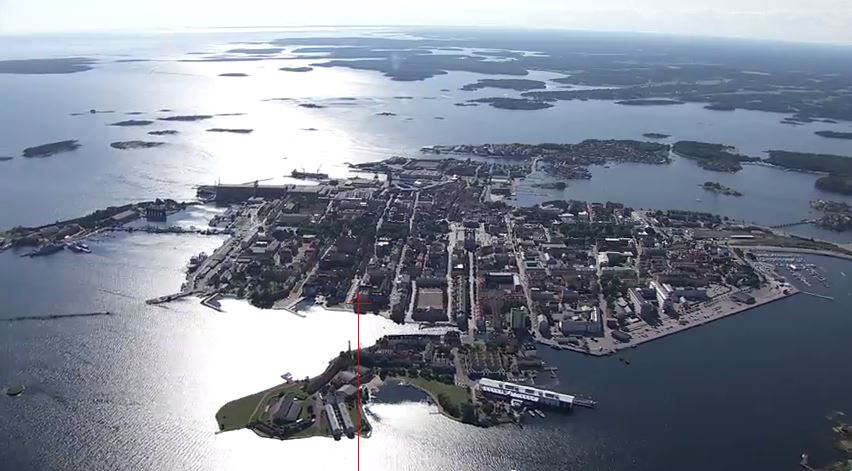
(455, 394)
(239, 413)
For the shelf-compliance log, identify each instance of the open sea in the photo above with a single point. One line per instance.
(139, 389)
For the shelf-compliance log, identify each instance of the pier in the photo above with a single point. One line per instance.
(791, 224)
(817, 295)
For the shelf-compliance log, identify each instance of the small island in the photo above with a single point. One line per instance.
(841, 184)
(163, 132)
(5, 159)
(125, 145)
(233, 74)
(715, 157)
(837, 216)
(720, 189)
(133, 122)
(656, 135)
(296, 69)
(231, 130)
(51, 149)
(834, 134)
(385, 113)
(192, 117)
(520, 85)
(514, 103)
(311, 105)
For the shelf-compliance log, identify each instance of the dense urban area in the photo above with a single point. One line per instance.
(437, 242)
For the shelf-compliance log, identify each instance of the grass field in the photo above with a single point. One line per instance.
(239, 413)
(455, 394)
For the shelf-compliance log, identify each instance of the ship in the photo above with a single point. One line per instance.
(46, 250)
(308, 175)
(78, 247)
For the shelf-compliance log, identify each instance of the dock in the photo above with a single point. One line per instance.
(817, 295)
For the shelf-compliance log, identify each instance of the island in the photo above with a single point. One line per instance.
(836, 216)
(656, 135)
(435, 244)
(163, 132)
(126, 145)
(520, 85)
(828, 163)
(720, 189)
(834, 134)
(385, 113)
(233, 74)
(5, 158)
(311, 105)
(715, 157)
(133, 122)
(51, 149)
(296, 69)
(841, 184)
(188, 118)
(513, 103)
(231, 130)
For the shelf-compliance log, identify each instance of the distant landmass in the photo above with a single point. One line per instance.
(231, 130)
(649, 102)
(521, 85)
(233, 74)
(53, 148)
(834, 134)
(67, 65)
(514, 103)
(163, 132)
(125, 145)
(194, 117)
(296, 69)
(655, 135)
(133, 122)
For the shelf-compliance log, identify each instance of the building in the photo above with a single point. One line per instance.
(155, 213)
(348, 426)
(333, 423)
(641, 305)
(518, 318)
(585, 322)
(430, 305)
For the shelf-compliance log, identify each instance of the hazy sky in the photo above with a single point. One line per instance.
(798, 20)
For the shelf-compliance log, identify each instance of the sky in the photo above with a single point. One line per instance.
(792, 20)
